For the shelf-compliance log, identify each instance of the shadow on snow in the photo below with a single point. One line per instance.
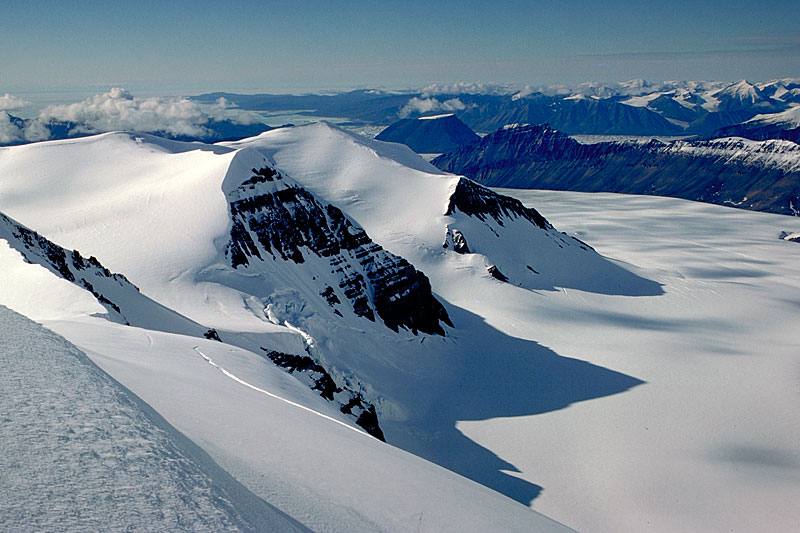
(490, 375)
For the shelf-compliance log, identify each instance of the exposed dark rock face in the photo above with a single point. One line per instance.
(496, 274)
(330, 296)
(480, 202)
(351, 403)
(288, 223)
(455, 239)
(763, 177)
(429, 135)
(70, 265)
(791, 237)
(760, 132)
(460, 243)
(212, 335)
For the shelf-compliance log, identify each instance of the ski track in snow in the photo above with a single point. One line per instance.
(271, 395)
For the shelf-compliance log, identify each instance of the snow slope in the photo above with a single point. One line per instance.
(709, 441)
(789, 118)
(158, 211)
(612, 394)
(80, 452)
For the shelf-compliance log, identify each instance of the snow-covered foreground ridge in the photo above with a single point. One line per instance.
(145, 253)
(356, 289)
(72, 434)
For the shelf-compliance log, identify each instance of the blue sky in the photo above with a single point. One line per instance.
(189, 47)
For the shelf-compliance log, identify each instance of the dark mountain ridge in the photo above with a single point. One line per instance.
(429, 135)
(759, 176)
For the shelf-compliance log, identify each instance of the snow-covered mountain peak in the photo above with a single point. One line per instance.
(251, 173)
(336, 142)
(635, 86)
(118, 139)
(282, 231)
(740, 88)
(739, 94)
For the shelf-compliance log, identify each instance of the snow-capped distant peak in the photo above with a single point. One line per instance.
(742, 90)
(434, 117)
(636, 83)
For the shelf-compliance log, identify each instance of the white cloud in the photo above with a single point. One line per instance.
(527, 90)
(469, 87)
(35, 131)
(427, 105)
(120, 110)
(9, 101)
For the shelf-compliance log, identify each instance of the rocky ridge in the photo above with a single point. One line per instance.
(273, 219)
(762, 176)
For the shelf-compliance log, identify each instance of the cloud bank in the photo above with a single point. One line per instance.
(8, 101)
(478, 87)
(120, 110)
(427, 105)
(469, 87)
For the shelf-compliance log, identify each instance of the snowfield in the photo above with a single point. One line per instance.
(157, 210)
(642, 376)
(709, 441)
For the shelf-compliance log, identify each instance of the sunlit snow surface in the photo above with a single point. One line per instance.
(81, 453)
(655, 391)
(710, 440)
(157, 210)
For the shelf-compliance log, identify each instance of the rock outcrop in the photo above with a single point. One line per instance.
(273, 219)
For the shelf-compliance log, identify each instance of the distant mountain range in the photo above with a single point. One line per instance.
(630, 108)
(635, 108)
(759, 175)
(783, 125)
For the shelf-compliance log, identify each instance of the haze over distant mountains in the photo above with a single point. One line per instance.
(636, 107)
